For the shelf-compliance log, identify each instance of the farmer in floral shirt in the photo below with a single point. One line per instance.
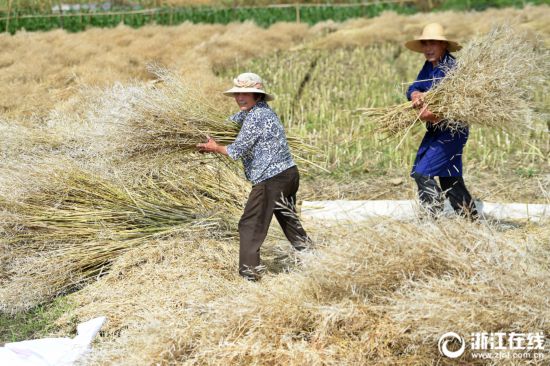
(440, 153)
(268, 164)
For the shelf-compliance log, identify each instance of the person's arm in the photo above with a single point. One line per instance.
(419, 103)
(417, 98)
(212, 146)
(247, 137)
(238, 118)
(250, 132)
(417, 85)
(417, 89)
(427, 116)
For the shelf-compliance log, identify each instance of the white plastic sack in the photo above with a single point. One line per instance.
(51, 351)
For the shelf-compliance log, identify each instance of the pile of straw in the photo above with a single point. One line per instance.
(71, 229)
(127, 176)
(376, 293)
(492, 85)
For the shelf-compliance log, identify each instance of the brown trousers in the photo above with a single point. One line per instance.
(264, 200)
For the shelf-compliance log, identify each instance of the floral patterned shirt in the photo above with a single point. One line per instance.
(261, 143)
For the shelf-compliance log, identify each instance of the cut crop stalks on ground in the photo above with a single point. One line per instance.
(70, 230)
(377, 293)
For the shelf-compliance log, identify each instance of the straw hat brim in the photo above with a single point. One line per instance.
(232, 91)
(416, 45)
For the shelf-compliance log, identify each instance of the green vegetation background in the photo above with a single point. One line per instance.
(221, 13)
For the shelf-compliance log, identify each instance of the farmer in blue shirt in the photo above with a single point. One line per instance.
(268, 165)
(440, 153)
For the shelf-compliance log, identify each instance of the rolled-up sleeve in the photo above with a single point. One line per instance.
(250, 132)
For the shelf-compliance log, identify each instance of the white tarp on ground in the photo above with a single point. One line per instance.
(354, 211)
(51, 351)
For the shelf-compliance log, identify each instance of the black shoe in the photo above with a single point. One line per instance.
(252, 274)
(303, 245)
(250, 278)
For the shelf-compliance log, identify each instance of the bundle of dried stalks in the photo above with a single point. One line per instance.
(76, 224)
(171, 117)
(492, 85)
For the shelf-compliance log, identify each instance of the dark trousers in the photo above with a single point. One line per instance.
(454, 188)
(276, 195)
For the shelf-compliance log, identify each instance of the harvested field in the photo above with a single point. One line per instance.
(354, 301)
(97, 219)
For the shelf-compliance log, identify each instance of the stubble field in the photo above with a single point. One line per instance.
(375, 293)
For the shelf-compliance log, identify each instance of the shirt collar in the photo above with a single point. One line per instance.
(240, 116)
(446, 61)
(260, 104)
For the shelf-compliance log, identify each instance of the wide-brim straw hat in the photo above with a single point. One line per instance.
(248, 83)
(432, 32)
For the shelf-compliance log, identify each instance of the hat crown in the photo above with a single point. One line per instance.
(249, 80)
(433, 30)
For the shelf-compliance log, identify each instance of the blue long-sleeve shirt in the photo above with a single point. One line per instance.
(440, 153)
(431, 75)
(261, 143)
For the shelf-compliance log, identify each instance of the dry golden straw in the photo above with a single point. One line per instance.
(492, 85)
(171, 117)
(76, 224)
(377, 293)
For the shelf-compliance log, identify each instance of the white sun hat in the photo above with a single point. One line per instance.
(248, 83)
(432, 32)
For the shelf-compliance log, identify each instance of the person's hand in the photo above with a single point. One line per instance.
(428, 116)
(417, 99)
(210, 146)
